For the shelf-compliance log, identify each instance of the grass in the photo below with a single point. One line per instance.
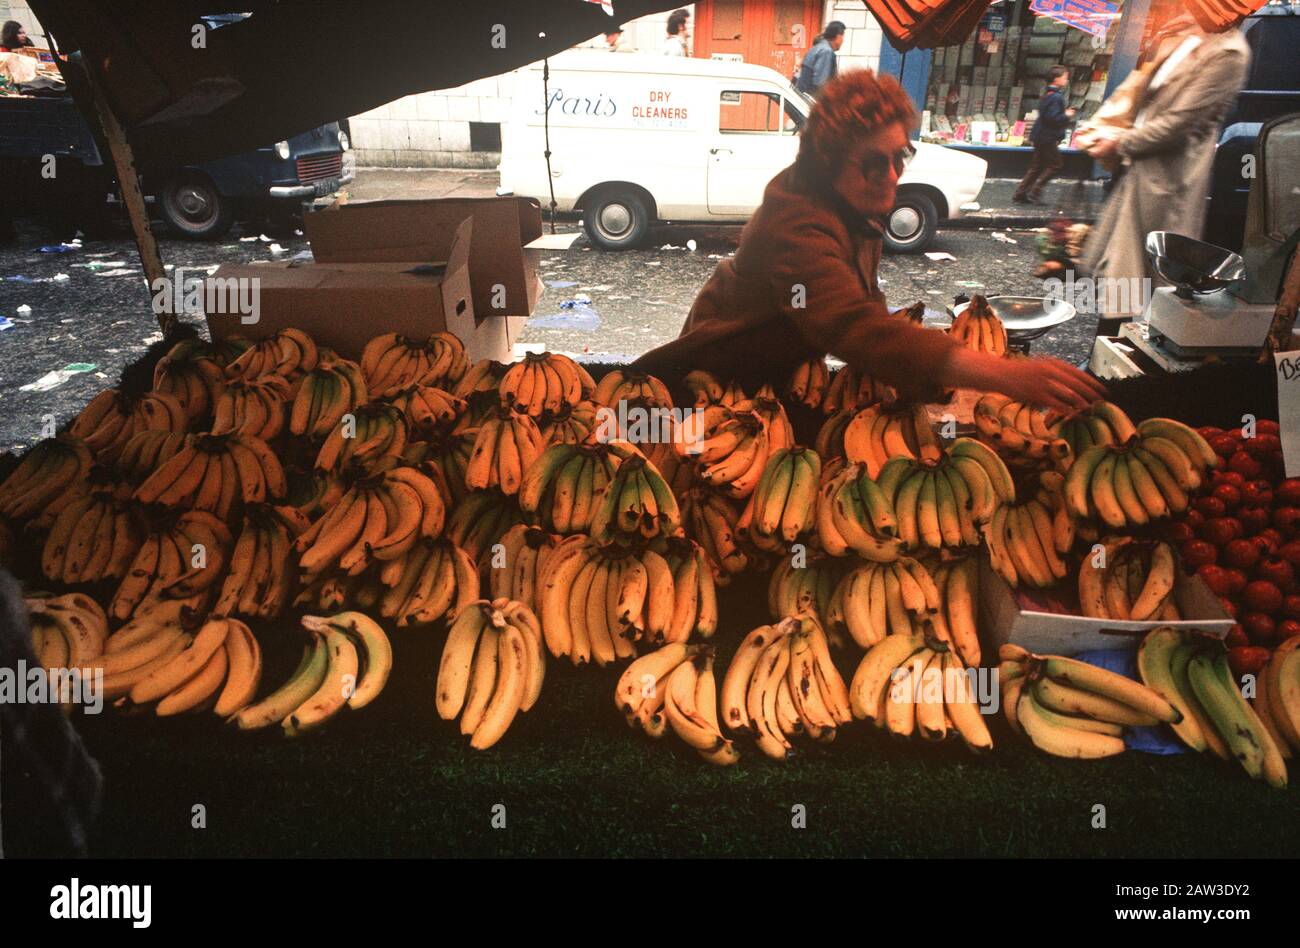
(394, 780)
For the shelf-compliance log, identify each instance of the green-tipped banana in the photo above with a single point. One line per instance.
(376, 652)
(307, 677)
(997, 471)
(1211, 680)
(1063, 741)
(1155, 664)
(1108, 684)
(1079, 477)
(878, 506)
(1196, 447)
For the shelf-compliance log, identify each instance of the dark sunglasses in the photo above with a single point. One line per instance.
(875, 164)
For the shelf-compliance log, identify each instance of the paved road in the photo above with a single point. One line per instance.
(639, 299)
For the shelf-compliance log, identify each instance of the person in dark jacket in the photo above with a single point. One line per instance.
(1053, 119)
(819, 66)
(13, 37)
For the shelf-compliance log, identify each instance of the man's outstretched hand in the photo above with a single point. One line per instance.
(1050, 383)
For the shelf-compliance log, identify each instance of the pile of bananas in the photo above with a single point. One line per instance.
(957, 580)
(391, 362)
(770, 411)
(146, 452)
(713, 521)
(47, 479)
(212, 472)
(506, 446)
(254, 406)
(289, 353)
(914, 685)
(220, 666)
(546, 383)
(637, 505)
(1020, 430)
(782, 684)
(431, 580)
(628, 385)
(347, 664)
(182, 558)
(1102, 422)
(260, 581)
(479, 521)
(729, 447)
(1190, 671)
(325, 394)
(111, 419)
(492, 668)
(560, 489)
(855, 516)
(784, 504)
(808, 383)
(68, 631)
(372, 432)
(524, 551)
(881, 432)
(850, 390)
(1129, 580)
(675, 685)
(1028, 541)
(806, 583)
(574, 425)
(872, 600)
(94, 538)
(428, 409)
(978, 327)
(1069, 708)
(1149, 477)
(193, 371)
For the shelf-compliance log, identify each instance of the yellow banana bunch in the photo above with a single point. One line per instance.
(212, 472)
(1024, 541)
(628, 385)
(705, 388)
(254, 406)
(505, 447)
(979, 328)
(327, 393)
(713, 521)
(851, 391)
(806, 582)
(729, 447)
(111, 419)
(545, 383)
(643, 687)
(289, 353)
(347, 664)
(695, 596)
(830, 436)
(562, 487)
(94, 538)
(492, 667)
(482, 378)
(808, 384)
(183, 559)
(873, 600)
(432, 579)
(1163, 661)
(637, 505)
(942, 505)
(449, 452)
(221, 660)
(690, 706)
(784, 504)
(391, 362)
(261, 575)
(146, 451)
(768, 407)
(879, 432)
(524, 550)
(478, 522)
(1069, 708)
(854, 516)
(1019, 429)
(1101, 423)
(313, 492)
(193, 375)
(783, 684)
(570, 425)
(911, 685)
(1277, 697)
(68, 631)
(48, 477)
(958, 583)
(373, 431)
(1129, 580)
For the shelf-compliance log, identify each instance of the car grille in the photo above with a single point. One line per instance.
(315, 167)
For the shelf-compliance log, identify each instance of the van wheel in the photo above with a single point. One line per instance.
(193, 208)
(616, 219)
(911, 224)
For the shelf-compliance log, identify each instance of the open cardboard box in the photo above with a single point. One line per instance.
(344, 305)
(1055, 634)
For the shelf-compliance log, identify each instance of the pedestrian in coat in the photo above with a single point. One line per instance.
(1054, 117)
(819, 65)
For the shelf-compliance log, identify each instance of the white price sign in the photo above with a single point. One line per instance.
(1288, 408)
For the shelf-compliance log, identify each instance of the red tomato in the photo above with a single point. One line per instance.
(1248, 659)
(1229, 606)
(1178, 531)
(1245, 465)
(1291, 606)
(1221, 530)
(1224, 445)
(1287, 628)
(1261, 595)
(1216, 577)
(1230, 494)
(1257, 493)
(1198, 553)
(1263, 445)
(1268, 539)
(1213, 505)
(1277, 571)
(1194, 519)
(1290, 552)
(1260, 629)
(1253, 519)
(1221, 476)
(1236, 637)
(1287, 493)
(1209, 431)
(1237, 579)
(1267, 426)
(1243, 554)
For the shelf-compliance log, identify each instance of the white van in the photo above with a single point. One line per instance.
(638, 138)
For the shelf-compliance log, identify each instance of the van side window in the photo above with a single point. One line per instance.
(746, 112)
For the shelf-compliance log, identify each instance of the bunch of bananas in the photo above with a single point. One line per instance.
(483, 378)
(808, 384)
(852, 391)
(545, 383)
(94, 538)
(910, 685)
(713, 521)
(391, 362)
(289, 353)
(695, 595)
(111, 418)
(146, 452)
(854, 515)
(1277, 697)
(782, 684)
(958, 583)
(730, 448)
(327, 393)
(830, 436)
(690, 706)
(449, 452)
(780, 433)
(1191, 672)
(872, 600)
(784, 504)
(223, 652)
(373, 431)
(505, 447)
(524, 551)
(346, 665)
(434, 578)
(1072, 709)
(313, 492)
(880, 432)
(1027, 541)
(192, 373)
(806, 583)
(254, 406)
(152, 637)
(261, 575)
(492, 668)
(478, 523)
(1148, 478)
(643, 687)
(636, 506)
(628, 385)
(429, 409)
(1129, 580)
(1019, 429)
(379, 519)
(979, 328)
(704, 387)
(68, 631)
(47, 479)
(212, 471)
(570, 425)
(1102, 422)
(561, 488)
(182, 559)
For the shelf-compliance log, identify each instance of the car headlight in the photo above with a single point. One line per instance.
(282, 150)
(344, 142)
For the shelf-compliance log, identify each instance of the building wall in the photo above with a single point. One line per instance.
(862, 35)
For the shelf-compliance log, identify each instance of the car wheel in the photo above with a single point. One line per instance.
(616, 219)
(193, 208)
(911, 224)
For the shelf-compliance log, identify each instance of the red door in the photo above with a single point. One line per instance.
(772, 33)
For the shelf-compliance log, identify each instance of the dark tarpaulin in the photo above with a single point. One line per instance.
(296, 64)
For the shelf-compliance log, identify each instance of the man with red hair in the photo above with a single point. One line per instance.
(803, 280)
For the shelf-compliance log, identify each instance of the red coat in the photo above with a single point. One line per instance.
(802, 246)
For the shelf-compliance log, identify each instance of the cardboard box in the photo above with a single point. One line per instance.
(1056, 634)
(344, 305)
(502, 270)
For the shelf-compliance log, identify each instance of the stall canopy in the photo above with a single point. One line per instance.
(186, 92)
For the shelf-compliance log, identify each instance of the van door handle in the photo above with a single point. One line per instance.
(719, 151)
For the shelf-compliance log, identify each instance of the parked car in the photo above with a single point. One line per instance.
(639, 139)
